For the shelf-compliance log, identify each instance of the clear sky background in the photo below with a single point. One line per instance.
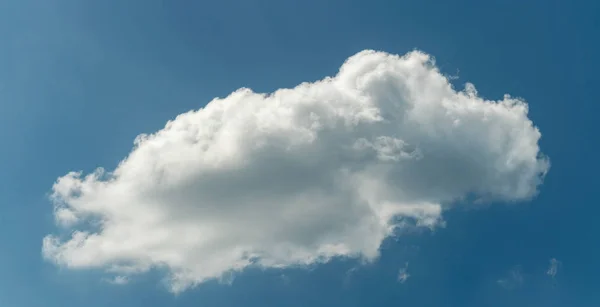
(79, 80)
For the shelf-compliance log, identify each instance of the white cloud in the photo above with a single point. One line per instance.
(299, 176)
(403, 274)
(553, 269)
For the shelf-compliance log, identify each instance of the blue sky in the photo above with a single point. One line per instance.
(79, 80)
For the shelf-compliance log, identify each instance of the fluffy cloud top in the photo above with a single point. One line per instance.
(298, 176)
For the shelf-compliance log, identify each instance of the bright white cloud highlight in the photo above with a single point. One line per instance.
(298, 176)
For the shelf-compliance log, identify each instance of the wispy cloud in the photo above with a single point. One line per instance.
(554, 266)
(513, 280)
(403, 274)
(119, 280)
(349, 274)
(285, 279)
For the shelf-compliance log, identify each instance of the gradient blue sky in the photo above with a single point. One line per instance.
(79, 80)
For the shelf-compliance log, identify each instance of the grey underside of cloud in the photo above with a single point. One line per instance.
(325, 169)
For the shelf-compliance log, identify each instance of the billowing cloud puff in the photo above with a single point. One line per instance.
(299, 176)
